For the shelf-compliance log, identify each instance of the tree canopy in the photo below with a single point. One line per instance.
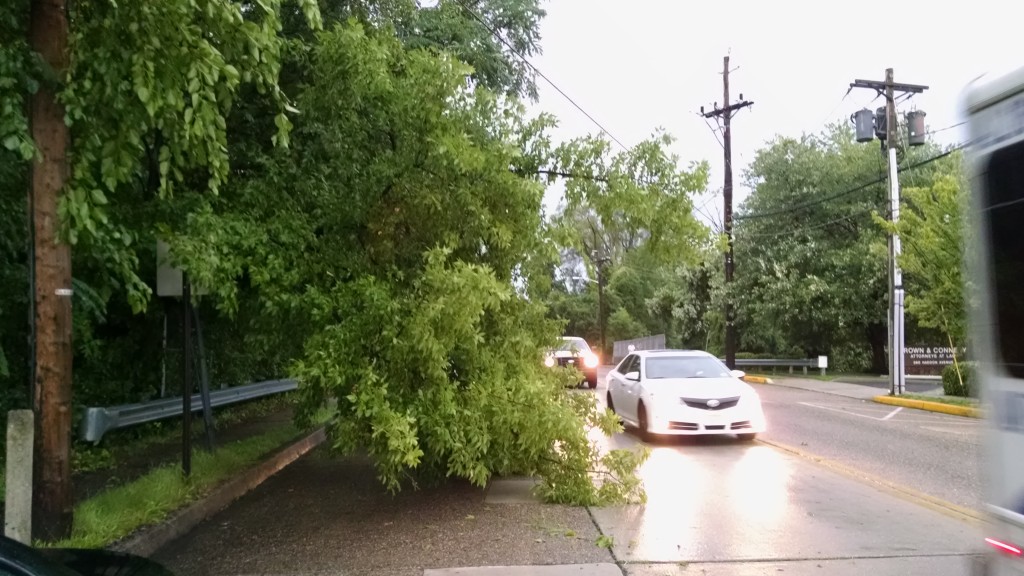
(357, 188)
(810, 254)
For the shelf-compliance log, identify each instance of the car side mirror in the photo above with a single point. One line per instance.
(634, 376)
(738, 373)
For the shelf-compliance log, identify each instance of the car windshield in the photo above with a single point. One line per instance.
(575, 345)
(685, 367)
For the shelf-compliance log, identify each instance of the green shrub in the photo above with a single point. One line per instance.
(757, 355)
(951, 384)
(849, 358)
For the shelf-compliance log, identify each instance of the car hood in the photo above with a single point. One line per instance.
(98, 562)
(700, 388)
(566, 354)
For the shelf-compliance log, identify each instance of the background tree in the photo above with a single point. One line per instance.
(810, 262)
(933, 226)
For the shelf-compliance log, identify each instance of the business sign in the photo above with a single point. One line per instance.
(928, 360)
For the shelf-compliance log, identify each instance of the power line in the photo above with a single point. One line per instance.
(841, 100)
(701, 210)
(494, 32)
(957, 125)
(853, 190)
(804, 229)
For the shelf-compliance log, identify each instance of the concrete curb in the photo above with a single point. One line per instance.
(757, 380)
(967, 411)
(149, 539)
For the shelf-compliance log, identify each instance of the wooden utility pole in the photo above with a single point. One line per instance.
(51, 373)
(726, 113)
(888, 89)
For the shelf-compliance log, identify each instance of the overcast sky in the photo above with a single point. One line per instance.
(643, 64)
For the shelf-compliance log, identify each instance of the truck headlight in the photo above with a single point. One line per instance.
(590, 360)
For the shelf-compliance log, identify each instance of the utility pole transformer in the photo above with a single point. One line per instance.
(888, 89)
(726, 113)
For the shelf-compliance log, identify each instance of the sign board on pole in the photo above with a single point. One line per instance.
(928, 360)
(822, 361)
(169, 277)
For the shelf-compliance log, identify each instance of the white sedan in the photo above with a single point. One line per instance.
(683, 392)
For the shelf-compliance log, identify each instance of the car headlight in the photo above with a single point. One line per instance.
(549, 361)
(590, 360)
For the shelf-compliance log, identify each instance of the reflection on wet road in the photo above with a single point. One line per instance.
(716, 499)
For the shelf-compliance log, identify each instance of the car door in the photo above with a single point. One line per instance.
(625, 400)
(631, 389)
(615, 381)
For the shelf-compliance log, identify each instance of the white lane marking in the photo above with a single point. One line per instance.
(961, 432)
(893, 413)
(840, 411)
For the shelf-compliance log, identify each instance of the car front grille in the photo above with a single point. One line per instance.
(742, 425)
(702, 404)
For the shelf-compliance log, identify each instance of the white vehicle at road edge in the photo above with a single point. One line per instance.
(683, 393)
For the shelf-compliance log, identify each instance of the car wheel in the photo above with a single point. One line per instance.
(611, 405)
(641, 420)
(747, 437)
(592, 383)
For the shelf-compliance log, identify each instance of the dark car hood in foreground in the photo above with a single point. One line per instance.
(76, 562)
(88, 562)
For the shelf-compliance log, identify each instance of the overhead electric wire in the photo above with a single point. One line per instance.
(700, 209)
(500, 38)
(853, 190)
(841, 100)
(957, 125)
(802, 229)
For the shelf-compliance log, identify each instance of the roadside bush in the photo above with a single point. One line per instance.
(754, 355)
(951, 385)
(849, 358)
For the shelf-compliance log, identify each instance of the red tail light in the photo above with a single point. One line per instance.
(1004, 547)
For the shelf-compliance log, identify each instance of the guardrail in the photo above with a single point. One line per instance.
(819, 362)
(100, 420)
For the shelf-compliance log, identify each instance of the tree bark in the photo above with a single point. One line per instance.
(52, 497)
(878, 336)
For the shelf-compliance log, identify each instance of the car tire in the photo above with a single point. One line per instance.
(747, 437)
(611, 406)
(592, 383)
(641, 421)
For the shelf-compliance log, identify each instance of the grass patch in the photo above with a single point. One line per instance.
(149, 500)
(952, 400)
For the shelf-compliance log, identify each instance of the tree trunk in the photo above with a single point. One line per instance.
(878, 336)
(52, 497)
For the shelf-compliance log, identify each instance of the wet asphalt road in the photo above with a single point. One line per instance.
(936, 454)
(715, 506)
